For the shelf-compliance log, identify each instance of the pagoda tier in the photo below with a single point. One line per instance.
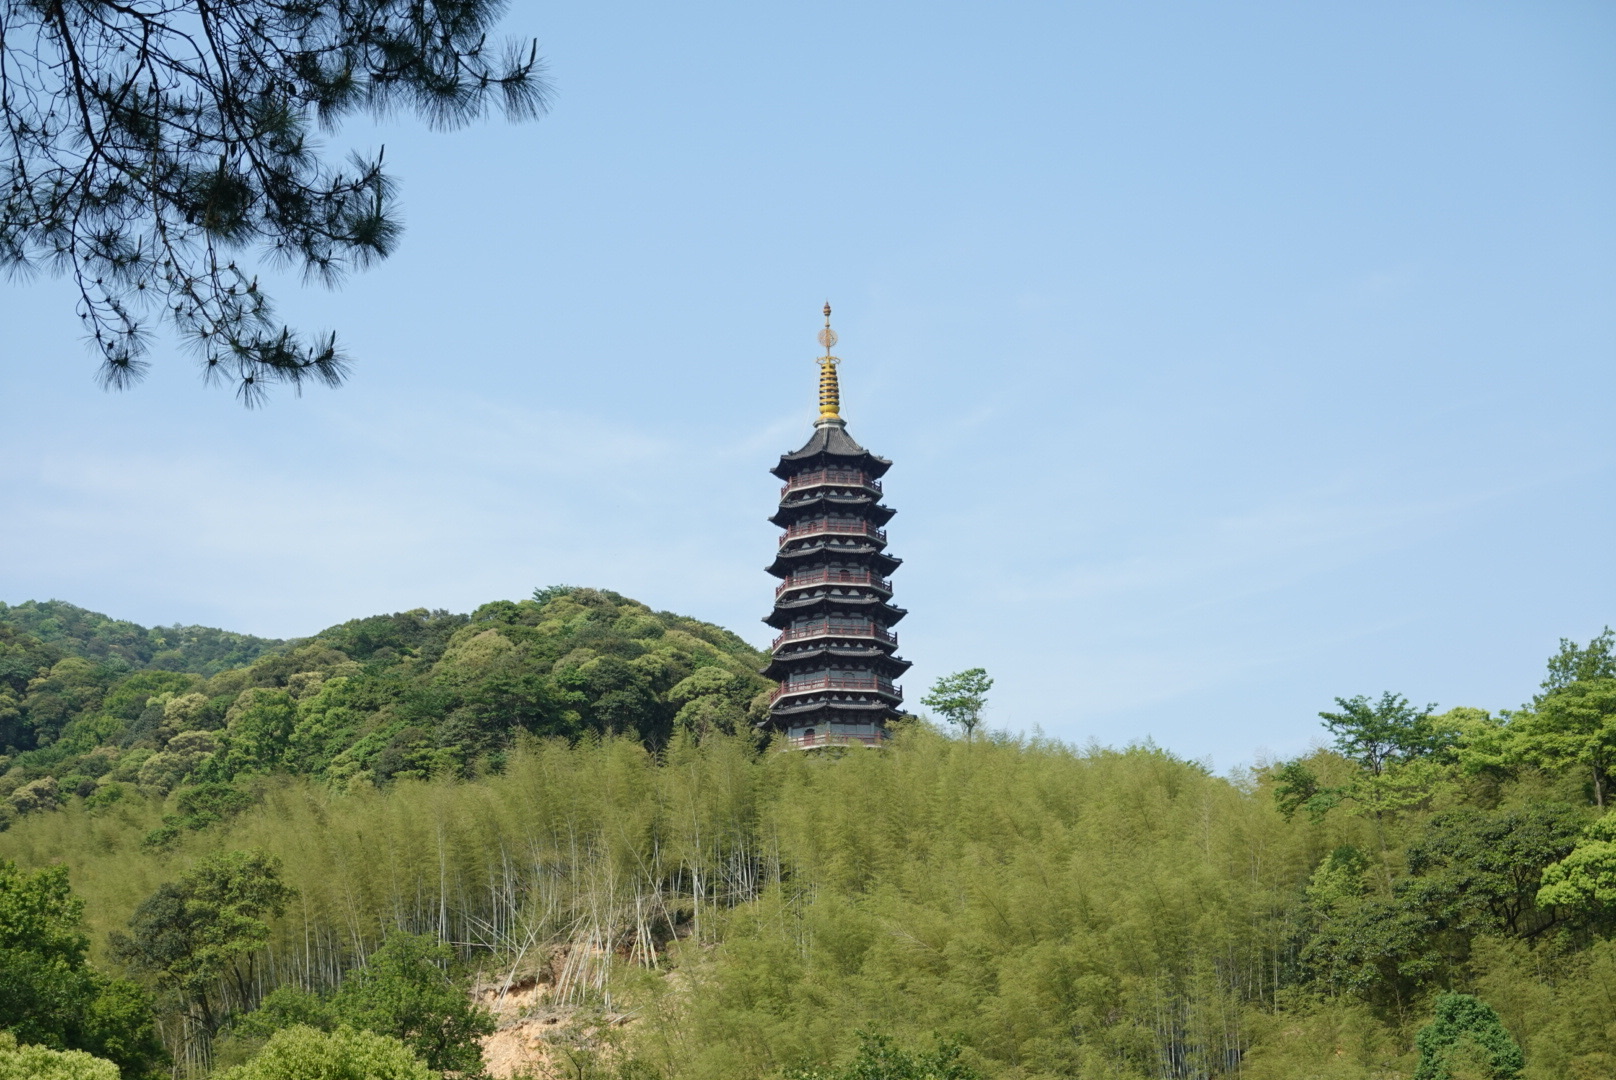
(828, 502)
(833, 552)
(828, 604)
(830, 448)
(834, 657)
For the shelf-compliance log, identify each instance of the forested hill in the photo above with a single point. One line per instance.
(70, 630)
(352, 847)
(96, 708)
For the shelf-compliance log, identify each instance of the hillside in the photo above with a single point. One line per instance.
(75, 631)
(98, 709)
(555, 809)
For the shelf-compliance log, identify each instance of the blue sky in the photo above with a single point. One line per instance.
(1232, 356)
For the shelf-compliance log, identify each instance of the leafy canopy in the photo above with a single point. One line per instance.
(1466, 1032)
(1478, 870)
(1585, 880)
(1573, 726)
(208, 925)
(147, 145)
(49, 994)
(1575, 663)
(411, 989)
(1381, 733)
(960, 698)
(301, 1053)
(410, 695)
(43, 1063)
(75, 631)
(879, 1058)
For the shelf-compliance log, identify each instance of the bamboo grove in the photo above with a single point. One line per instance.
(1048, 911)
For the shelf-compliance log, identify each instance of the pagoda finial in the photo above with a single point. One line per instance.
(830, 394)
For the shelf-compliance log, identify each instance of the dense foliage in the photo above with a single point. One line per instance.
(879, 1059)
(94, 710)
(206, 929)
(32, 1062)
(410, 989)
(66, 630)
(1431, 895)
(1466, 1038)
(303, 1053)
(50, 997)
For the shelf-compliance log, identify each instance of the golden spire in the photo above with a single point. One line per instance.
(830, 395)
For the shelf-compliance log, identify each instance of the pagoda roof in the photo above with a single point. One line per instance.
(867, 554)
(830, 501)
(782, 664)
(877, 703)
(788, 609)
(830, 439)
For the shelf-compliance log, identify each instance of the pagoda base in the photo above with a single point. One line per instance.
(818, 736)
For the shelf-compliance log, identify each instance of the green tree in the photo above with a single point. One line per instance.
(1585, 880)
(961, 697)
(207, 927)
(132, 695)
(1466, 1031)
(42, 1063)
(306, 1053)
(187, 752)
(199, 806)
(49, 994)
(1572, 727)
(72, 686)
(1576, 663)
(879, 1058)
(79, 632)
(1381, 733)
(1296, 787)
(1376, 948)
(410, 989)
(1478, 871)
(284, 1007)
(258, 731)
(23, 658)
(146, 146)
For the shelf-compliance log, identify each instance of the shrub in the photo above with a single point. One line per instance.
(298, 1053)
(1466, 1032)
(40, 1063)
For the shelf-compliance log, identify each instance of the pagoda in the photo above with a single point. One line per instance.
(835, 656)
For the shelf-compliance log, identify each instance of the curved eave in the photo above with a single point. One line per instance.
(782, 664)
(868, 491)
(864, 554)
(843, 705)
(881, 704)
(874, 467)
(794, 699)
(791, 594)
(873, 606)
(833, 710)
(860, 506)
(830, 442)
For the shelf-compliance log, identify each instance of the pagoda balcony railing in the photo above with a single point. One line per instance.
(826, 525)
(872, 683)
(850, 477)
(829, 628)
(833, 577)
(808, 742)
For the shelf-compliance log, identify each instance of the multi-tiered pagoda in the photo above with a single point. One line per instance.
(834, 657)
